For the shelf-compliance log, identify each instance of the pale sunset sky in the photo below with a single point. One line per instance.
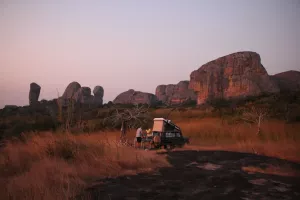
(135, 44)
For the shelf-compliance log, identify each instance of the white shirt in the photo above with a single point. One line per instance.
(138, 132)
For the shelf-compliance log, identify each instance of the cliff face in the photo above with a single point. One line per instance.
(236, 75)
(175, 94)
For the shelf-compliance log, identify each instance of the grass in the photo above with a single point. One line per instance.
(56, 166)
(277, 138)
(218, 130)
(59, 166)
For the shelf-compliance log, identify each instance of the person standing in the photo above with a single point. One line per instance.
(138, 136)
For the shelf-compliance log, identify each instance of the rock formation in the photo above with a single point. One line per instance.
(288, 81)
(236, 75)
(132, 97)
(82, 95)
(175, 94)
(71, 89)
(98, 95)
(34, 93)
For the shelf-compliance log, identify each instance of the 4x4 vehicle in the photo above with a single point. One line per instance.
(165, 134)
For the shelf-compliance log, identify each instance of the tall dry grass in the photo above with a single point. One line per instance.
(59, 166)
(277, 138)
(208, 131)
(179, 114)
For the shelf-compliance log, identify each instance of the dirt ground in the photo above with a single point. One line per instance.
(203, 175)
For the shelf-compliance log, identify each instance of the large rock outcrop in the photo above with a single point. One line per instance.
(288, 81)
(175, 93)
(34, 93)
(132, 97)
(82, 95)
(236, 75)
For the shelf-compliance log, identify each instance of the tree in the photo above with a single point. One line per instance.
(256, 115)
(128, 117)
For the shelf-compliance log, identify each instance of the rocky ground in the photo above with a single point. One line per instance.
(203, 175)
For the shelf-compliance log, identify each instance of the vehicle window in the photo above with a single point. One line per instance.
(169, 127)
(178, 135)
(169, 134)
(155, 133)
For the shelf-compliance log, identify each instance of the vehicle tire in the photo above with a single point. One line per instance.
(169, 147)
(157, 139)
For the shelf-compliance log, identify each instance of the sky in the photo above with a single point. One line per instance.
(135, 44)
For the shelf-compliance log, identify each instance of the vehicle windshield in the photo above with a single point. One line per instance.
(170, 128)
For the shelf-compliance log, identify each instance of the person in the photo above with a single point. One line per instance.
(148, 131)
(138, 135)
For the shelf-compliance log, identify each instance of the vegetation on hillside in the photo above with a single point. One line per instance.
(77, 119)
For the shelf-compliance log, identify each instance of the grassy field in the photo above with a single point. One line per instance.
(54, 166)
(58, 166)
(276, 139)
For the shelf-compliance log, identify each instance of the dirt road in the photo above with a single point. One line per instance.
(203, 175)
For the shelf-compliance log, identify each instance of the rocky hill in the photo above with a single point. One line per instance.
(236, 75)
(131, 97)
(175, 93)
(288, 81)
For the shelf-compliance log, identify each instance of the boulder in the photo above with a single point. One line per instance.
(236, 75)
(133, 97)
(98, 91)
(98, 95)
(69, 93)
(175, 94)
(71, 89)
(288, 81)
(34, 93)
(83, 95)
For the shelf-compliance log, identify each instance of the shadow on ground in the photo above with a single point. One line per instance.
(203, 175)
